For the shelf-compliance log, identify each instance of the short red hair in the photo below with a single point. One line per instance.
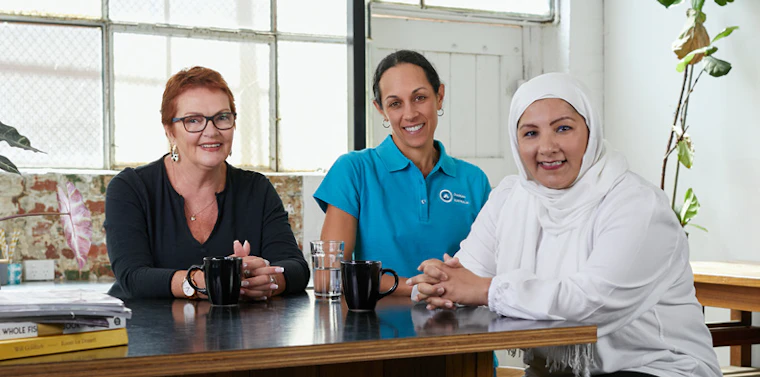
(196, 77)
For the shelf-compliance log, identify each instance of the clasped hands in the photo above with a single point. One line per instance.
(443, 284)
(260, 280)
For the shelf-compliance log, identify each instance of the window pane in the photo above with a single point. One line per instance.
(51, 90)
(535, 7)
(313, 104)
(326, 17)
(226, 14)
(75, 8)
(139, 84)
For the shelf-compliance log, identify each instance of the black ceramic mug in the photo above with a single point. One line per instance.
(361, 283)
(222, 275)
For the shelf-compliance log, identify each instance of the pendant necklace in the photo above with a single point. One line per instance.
(192, 218)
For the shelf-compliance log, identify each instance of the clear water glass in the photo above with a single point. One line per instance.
(325, 261)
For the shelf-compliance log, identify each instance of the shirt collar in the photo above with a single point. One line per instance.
(394, 160)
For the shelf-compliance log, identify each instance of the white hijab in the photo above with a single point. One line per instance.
(559, 211)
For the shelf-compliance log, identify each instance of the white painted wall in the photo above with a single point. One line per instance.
(641, 88)
(576, 45)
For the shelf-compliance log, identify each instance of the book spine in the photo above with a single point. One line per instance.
(16, 330)
(113, 323)
(45, 345)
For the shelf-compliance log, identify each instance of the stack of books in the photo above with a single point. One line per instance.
(47, 322)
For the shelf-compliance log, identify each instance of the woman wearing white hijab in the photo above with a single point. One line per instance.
(576, 236)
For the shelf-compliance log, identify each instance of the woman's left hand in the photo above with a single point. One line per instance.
(460, 287)
(259, 281)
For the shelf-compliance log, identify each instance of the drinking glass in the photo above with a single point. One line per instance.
(325, 257)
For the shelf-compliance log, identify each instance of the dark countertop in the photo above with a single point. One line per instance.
(165, 327)
(293, 330)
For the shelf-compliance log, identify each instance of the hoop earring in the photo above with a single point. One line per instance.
(174, 154)
(386, 123)
(440, 112)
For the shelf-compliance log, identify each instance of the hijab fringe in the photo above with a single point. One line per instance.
(578, 357)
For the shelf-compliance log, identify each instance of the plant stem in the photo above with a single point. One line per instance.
(693, 86)
(675, 187)
(670, 139)
(33, 214)
(684, 113)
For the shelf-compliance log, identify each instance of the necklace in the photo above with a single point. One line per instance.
(193, 217)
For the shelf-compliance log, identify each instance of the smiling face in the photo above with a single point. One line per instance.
(551, 139)
(209, 148)
(410, 104)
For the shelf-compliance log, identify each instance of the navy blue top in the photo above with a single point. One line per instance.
(403, 218)
(148, 237)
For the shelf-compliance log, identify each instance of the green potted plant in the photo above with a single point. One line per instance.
(75, 217)
(692, 46)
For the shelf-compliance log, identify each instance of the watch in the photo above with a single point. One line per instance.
(188, 290)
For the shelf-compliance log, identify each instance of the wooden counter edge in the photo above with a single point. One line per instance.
(744, 274)
(267, 358)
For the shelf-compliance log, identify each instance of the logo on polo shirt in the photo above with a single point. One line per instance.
(448, 197)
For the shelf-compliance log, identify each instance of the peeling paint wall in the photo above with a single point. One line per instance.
(42, 236)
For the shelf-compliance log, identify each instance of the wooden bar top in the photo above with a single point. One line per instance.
(741, 274)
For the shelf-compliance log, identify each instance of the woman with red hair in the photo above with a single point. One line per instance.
(165, 216)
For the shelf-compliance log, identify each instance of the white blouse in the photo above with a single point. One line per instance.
(630, 277)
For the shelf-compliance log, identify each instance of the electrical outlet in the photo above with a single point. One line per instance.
(39, 269)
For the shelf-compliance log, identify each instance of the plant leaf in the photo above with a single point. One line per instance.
(668, 3)
(690, 207)
(722, 3)
(685, 153)
(693, 36)
(700, 227)
(716, 67)
(76, 220)
(724, 33)
(690, 57)
(8, 166)
(11, 136)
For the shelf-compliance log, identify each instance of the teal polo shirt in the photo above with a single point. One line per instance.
(403, 217)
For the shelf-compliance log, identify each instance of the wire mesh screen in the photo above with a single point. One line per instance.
(225, 14)
(51, 90)
(77, 9)
(140, 80)
(298, 16)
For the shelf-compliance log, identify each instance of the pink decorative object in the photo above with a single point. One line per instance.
(76, 220)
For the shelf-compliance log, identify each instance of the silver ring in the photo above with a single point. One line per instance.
(272, 280)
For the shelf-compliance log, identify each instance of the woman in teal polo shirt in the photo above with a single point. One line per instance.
(406, 200)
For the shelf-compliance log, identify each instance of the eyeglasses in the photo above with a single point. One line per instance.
(198, 123)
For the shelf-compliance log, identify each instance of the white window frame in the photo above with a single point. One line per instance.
(426, 12)
(109, 28)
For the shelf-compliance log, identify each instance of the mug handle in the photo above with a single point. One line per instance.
(395, 284)
(192, 284)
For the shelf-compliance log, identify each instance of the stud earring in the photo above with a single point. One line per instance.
(386, 123)
(174, 154)
(440, 112)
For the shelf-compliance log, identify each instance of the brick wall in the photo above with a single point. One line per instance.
(42, 236)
